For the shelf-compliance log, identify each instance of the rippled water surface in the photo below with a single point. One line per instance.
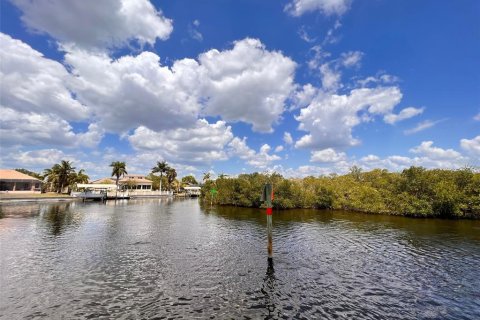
(143, 259)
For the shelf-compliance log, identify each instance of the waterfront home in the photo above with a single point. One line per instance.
(129, 181)
(13, 181)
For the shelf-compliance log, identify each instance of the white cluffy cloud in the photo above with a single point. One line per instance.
(204, 143)
(330, 118)
(96, 24)
(425, 155)
(327, 155)
(32, 83)
(261, 159)
(427, 149)
(32, 129)
(472, 146)
(135, 91)
(247, 83)
(327, 7)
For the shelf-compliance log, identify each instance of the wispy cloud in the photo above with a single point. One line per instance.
(193, 31)
(305, 36)
(477, 117)
(422, 126)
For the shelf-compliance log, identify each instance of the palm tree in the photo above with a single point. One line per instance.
(50, 177)
(65, 170)
(81, 177)
(171, 175)
(161, 168)
(118, 170)
(206, 176)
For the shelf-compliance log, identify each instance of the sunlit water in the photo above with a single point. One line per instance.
(142, 259)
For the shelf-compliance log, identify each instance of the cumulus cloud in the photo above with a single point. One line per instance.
(32, 83)
(96, 24)
(247, 83)
(303, 96)
(261, 159)
(406, 113)
(327, 7)
(32, 129)
(472, 146)
(477, 117)
(203, 143)
(330, 118)
(427, 149)
(330, 78)
(426, 155)
(38, 159)
(279, 149)
(135, 90)
(327, 155)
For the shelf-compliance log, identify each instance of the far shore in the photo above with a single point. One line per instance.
(50, 196)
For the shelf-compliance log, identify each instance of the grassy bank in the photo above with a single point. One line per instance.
(414, 192)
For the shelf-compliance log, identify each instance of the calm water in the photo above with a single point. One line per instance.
(175, 259)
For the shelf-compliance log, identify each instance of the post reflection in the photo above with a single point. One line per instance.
(268, 290)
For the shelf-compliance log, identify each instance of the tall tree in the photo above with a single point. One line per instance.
(189, 180)
(171, 175)
(81, 177)
(50, 177)
(65, 170)
(119, 168)
(161, 168)
(206, 176)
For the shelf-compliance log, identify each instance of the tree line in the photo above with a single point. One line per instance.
(415, 191)
(62, 177)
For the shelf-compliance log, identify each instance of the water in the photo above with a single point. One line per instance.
(143, 259)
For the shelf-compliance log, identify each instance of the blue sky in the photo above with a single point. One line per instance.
(301, 87)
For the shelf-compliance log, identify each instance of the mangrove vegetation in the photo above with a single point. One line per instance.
(415, 191)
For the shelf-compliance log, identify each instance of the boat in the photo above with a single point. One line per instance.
(90, 195)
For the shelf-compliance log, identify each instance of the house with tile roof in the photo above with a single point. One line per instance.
(17, 182)
(129, 181)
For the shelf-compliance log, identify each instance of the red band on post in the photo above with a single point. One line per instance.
(269, 211)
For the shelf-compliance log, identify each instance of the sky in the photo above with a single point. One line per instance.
(299, 87)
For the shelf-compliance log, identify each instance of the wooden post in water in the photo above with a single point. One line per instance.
(267, 197)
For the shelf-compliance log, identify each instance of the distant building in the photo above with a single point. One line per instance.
(14, 181)
(129, 181)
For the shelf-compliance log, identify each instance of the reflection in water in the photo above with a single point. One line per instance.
(59, 217)
(268, 289)
(164, 258)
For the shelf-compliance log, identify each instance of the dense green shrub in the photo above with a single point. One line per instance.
(415, 191)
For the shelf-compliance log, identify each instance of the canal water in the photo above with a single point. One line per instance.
(145, 259)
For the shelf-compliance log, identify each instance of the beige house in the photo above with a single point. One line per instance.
(129, 181)
(17, 182)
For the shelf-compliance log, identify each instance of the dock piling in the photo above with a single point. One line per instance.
(267, 198)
